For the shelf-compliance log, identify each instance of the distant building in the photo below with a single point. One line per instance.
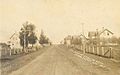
(83, 41)
(67, 40)
(14, 41)
(4, 51)
(83, 38)
(105, 36)
(100, 37)
(75, 39)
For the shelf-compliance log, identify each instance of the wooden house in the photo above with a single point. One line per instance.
(104, 37)
(83, 38)
(99, 42)
(14, 43)
(100, 37)
(4, 51)
(67, 40)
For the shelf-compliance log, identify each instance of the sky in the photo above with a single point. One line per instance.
(59, 18)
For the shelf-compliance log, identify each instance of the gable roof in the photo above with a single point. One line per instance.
(13, 35)
(98, 33)
(106, 30)
(83, 36)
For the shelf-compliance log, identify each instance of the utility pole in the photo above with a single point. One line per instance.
(82, 28)
(83, 40)
(24, 41)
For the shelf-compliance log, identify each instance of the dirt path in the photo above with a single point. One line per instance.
(59, 61)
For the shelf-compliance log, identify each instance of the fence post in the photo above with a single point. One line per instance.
(97, 50)
(10, 52)
(110, 52)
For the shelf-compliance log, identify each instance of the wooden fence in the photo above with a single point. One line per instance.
(112, 51)
(105, 51)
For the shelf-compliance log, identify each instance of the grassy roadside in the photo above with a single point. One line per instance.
(115, 66)
(18, 61)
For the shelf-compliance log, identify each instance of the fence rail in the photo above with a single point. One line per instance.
(100, 50)
(104, 51)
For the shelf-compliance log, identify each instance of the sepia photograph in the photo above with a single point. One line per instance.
(59, 37)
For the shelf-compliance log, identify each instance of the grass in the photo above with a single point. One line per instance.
(17, 61)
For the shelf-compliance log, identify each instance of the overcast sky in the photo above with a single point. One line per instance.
(59, 18)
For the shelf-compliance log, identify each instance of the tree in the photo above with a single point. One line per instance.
(114, 39)
(25, 34)
(43, 39)
(76, 41)
(32, 39)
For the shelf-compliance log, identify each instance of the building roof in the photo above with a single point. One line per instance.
(93, 33)
(83, 36)
(98, 33)
(13, 35)
(106, 30)
(69, 37)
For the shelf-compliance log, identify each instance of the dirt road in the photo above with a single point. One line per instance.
(57, 60)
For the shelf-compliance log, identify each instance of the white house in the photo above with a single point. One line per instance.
(105, 35)
(100, 37)
(67, 40)
(14, 43)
